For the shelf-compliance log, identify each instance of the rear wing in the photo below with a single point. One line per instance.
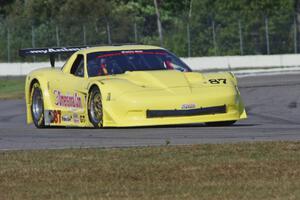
(52, 52)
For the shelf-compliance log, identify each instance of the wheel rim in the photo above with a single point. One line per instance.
(37, 104)
(96, 108)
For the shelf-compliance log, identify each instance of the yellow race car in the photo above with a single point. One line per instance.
(127, 85)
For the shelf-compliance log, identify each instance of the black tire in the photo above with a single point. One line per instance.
(224, 123)
(37, 106)
(95, 110)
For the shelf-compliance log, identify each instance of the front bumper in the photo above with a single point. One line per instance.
(165, 108)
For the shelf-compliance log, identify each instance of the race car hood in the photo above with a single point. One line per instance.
(158, 79)
(172, 79)
(166, 80)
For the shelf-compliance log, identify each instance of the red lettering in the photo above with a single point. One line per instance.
(73, 101)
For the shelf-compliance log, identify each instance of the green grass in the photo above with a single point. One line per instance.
(257, 171)
(12, 87)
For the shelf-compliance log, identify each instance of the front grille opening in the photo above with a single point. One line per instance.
(182, 113)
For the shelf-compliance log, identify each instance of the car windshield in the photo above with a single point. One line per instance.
(118, 62)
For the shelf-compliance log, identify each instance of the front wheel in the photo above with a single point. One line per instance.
(224, 123)
(95, 110)
(37, 106)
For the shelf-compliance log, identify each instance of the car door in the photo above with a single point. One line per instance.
(70, 90)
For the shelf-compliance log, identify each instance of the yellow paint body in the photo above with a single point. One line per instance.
(127, 97)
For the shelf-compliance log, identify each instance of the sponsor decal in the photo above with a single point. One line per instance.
(70, 101)
(82, 118)
(121, 53)
(132, 52)
(56, 50)
(188, 106)
(53, 116)
(66, 118)
(76, 118)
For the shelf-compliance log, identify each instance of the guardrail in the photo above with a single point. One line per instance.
(19, 69)
(286, 62)
(236, 62)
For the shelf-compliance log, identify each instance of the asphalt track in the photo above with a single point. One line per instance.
(272, 103)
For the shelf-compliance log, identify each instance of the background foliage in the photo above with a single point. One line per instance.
(217, 27)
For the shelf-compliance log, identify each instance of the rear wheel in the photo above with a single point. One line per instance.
(95, 110)
(37, 106)
(224, 123)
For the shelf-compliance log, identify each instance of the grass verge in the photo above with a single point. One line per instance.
(267, 170)
(12, 87)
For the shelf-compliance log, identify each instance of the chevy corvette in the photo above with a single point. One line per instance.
(127, 85)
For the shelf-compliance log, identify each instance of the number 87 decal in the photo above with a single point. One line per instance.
(217, 81)
(57, 116)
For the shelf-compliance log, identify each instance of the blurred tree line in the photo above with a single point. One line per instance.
(189, 27)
